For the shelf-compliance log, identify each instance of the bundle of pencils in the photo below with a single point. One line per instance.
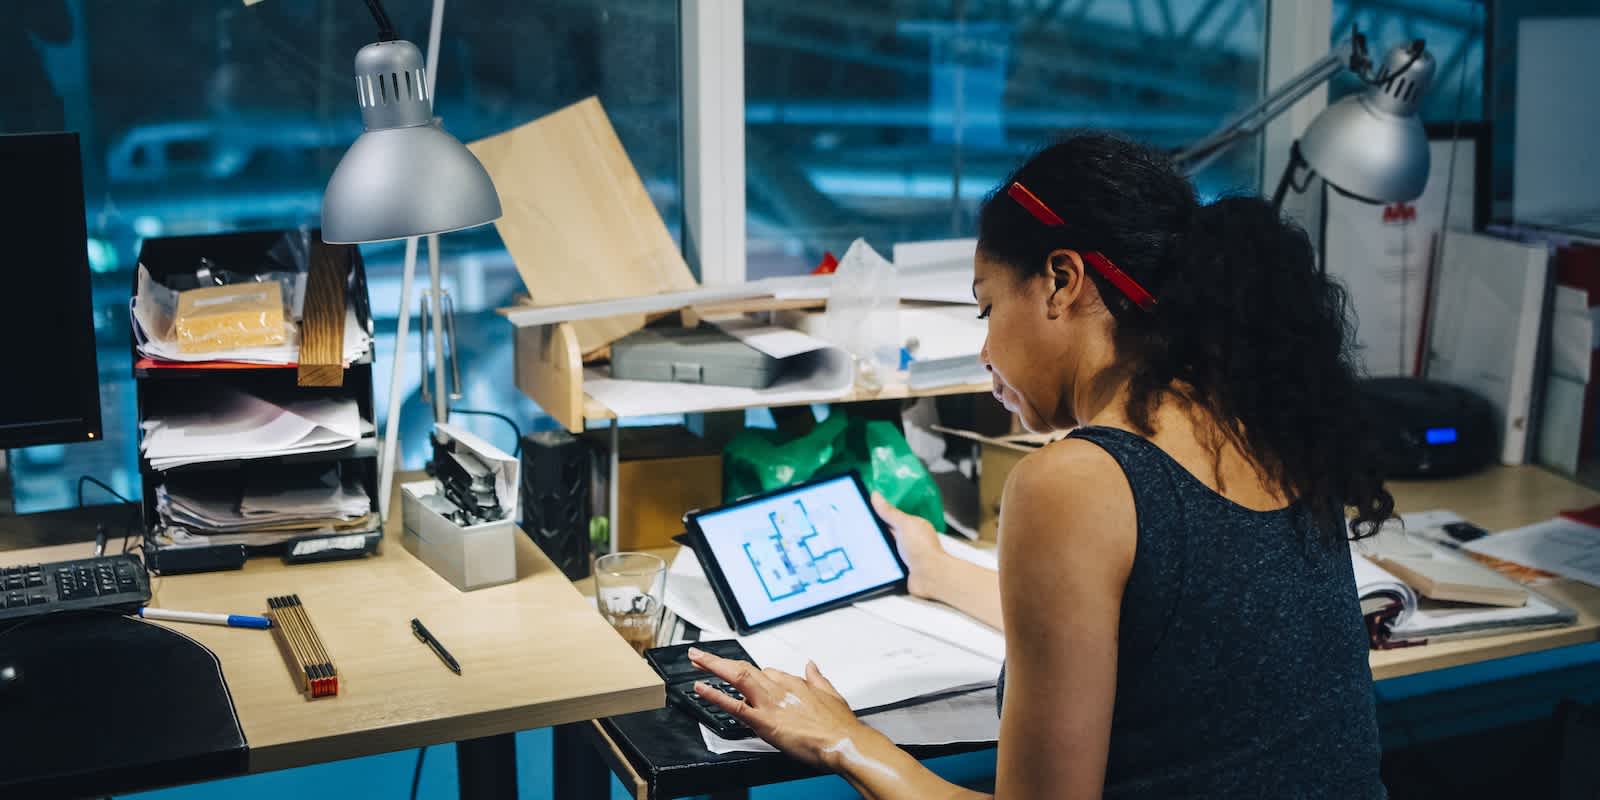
(301, 647)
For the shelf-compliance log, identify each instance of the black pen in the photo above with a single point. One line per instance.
(426, 638)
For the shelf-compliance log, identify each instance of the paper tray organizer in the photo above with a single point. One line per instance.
(160, 387)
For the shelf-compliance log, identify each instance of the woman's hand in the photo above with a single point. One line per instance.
(919, 547)
(804, 717)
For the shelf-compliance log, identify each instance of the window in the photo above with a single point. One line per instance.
(200, 117)
(891, 121)
(1542, 96)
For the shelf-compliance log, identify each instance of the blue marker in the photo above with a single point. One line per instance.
(230, 620)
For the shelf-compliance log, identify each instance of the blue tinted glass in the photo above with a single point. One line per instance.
(203, 117)
(891, 121)
(1454, 33)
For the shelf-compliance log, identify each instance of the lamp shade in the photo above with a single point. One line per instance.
(404, 176)
(1372, 145)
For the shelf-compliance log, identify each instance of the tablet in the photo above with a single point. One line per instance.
(795, 552)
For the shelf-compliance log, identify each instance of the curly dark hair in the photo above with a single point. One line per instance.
(1246, 326)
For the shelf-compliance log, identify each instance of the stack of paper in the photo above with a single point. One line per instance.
(1397, 615)
(273, 505)
(236, 425)
(154, 308)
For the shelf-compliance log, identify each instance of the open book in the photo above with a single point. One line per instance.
(1398, 614)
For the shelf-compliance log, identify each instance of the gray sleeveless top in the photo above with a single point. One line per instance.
(1242, 664)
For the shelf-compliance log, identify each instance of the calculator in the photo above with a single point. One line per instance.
(672, 664)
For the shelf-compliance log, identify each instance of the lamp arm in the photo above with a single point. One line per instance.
(1195, 157)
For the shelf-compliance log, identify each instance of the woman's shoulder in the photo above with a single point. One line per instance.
(1063, 468)
(1066, 520)
(1070, 489)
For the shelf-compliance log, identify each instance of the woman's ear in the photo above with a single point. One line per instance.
(1065, 269)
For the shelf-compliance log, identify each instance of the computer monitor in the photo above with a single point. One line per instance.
(51, 390)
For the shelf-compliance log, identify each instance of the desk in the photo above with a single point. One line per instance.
(1497, 499)
(515, 643)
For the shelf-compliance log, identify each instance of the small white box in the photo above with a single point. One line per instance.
(476, 556)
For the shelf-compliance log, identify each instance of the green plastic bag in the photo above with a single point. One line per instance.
(759, 460)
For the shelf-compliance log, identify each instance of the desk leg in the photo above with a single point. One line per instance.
(580, 773)
(612, 489)
(486, 769)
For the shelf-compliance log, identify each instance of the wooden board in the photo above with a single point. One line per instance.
(548, 368)
(533, 653)
(322, 316)
(577, 219)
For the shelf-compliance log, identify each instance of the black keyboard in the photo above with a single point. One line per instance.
(112, 583)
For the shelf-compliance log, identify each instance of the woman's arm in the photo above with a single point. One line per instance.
(806, 718)
(1068, 532)
(937, 575)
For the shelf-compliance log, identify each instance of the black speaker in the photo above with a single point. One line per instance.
(555, 498)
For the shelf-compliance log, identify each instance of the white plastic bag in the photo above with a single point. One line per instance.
(863, 313)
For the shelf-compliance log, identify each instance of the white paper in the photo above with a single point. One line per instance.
(1562, 546)
(689, 595)
(943, 331)
(208, 506)
(1572, 331)
(934, 252)
(1382, 254)
(936, 271)
(1441, 619)
(955, 719)
(506, 468)
(1486, 338)
(817, 376)
(872, 662)
(773, 340)
(240, 425)
(939, 621)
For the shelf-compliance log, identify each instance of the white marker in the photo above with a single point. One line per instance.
(230, 620)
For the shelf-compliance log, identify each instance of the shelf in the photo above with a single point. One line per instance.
(146, 367)
(594, 410)
(366, 448)
(549, 370)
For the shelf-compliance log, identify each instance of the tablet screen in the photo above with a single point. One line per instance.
(799, 549)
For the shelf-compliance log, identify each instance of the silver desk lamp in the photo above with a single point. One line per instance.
(1369, 145)
(405, 178)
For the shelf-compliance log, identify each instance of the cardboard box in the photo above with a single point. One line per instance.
(996, 456)
(665, 471)
(473, 557)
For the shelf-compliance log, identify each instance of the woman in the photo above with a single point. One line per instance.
(1175, 585)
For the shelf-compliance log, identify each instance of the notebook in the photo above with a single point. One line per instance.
(1398, 614)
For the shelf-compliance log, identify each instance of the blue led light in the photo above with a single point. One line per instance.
(1441, 436)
